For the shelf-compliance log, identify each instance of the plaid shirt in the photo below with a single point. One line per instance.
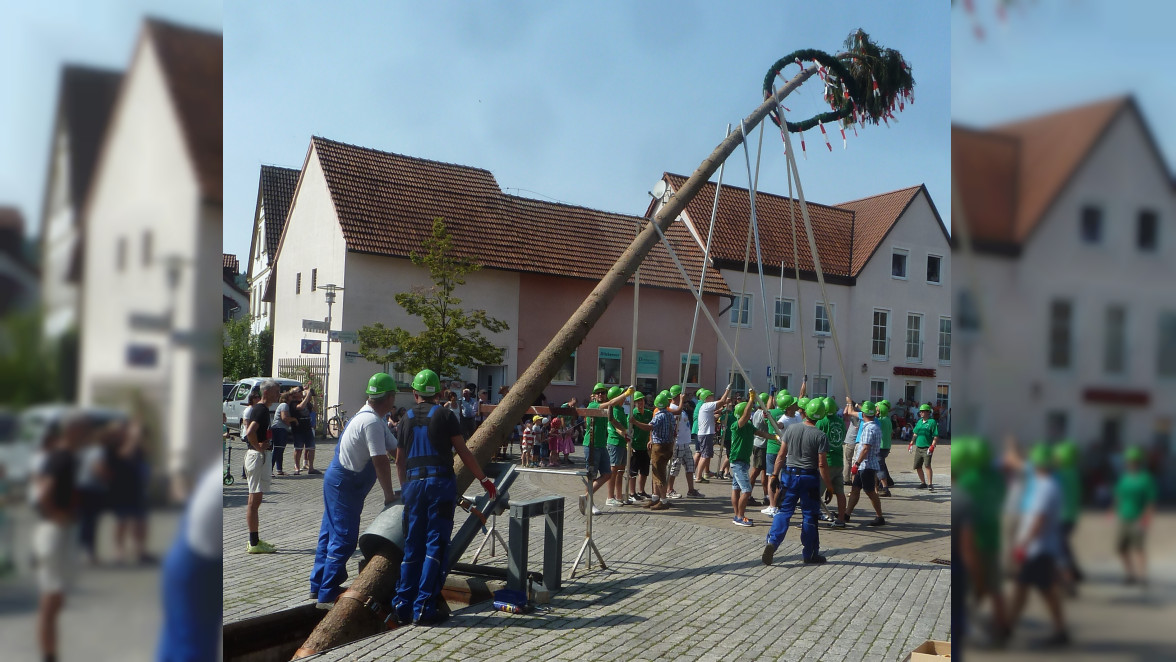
(871, 437)
(663, 428)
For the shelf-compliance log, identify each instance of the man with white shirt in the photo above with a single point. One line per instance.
(705, 415)
(361, 459)
(865, 464)
(683, 457)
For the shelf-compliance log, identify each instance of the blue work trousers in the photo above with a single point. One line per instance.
(802, 488)
(191, 604)
(343, 494)
(428, 524)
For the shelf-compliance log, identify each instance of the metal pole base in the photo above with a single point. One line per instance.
(588, 543)
(491, 535)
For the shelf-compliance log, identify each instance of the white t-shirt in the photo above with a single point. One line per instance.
(706, 418)
(366, 436)
(683, 429)
(757, 419)
(786, 420)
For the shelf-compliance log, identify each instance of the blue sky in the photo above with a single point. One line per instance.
(586, 103)
(36, 39)
(1052, 54)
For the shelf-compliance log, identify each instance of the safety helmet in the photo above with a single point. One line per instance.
(763, 398)
(883, 408)
(599, 387)
(784, 401)
(426, 382)
(740, 408)
(1040, 455)
(1066, 454)
(815, 409)
(781, 393)
(614, 392)
(884, 401)
(703, 394)
(379, 384)
(830, 405)
(868, 409)
(638, 396)
(965, 455)
(1133, 454)
(924, 407)
(803, 403)
(675, 390)
(662, 400)
(665, 393)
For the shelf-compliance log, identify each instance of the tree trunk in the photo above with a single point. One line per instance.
(347, 622)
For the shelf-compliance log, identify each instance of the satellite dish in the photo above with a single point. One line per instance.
(659, 189)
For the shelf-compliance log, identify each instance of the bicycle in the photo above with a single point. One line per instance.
(336, 423)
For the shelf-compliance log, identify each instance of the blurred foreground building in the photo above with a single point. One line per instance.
(1072, 220)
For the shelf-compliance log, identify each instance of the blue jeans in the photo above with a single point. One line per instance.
(740, 480)
(428, 524)
(802, 488)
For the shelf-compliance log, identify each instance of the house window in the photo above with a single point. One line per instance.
(567, 372)
(914, 338)
(898, 263)
(1055, 425)
(1147, 231)
(877, 389)
(1060, 313)
(783, 318)
(146, 248)
(1112, 430)
(738, 385)
(820, 386)
(608, 365)
(1091, 225)
(298, 283)
(1115, 337)
(648, 369)
(945, 340)
(943, 396)
(821, 324)
(120, 254)
(934, 263)
(782, 381)
(879, 338)
(1166, 359)
(313, 280)
(741, 311)
(695, 368)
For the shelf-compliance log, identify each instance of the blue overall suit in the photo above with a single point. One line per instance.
(803, 485)
(430, 497)
(344, 492)
(191, 597)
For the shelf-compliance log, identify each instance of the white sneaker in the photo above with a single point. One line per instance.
(770, 510)
(597, 511)
(630, 501)
(673, 495)
(612, 502)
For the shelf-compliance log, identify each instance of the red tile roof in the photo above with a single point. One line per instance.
(231, 262)
(1009, 175)
(873, 218)
(192, 62)
(277, 190)
(386, 204)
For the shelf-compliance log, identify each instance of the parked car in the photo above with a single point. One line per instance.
(226, 389)
(237, 400)
(21, 434)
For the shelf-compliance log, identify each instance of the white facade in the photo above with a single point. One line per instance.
(259, 272)
(146, 211)
(59, 236)
(1120, 177)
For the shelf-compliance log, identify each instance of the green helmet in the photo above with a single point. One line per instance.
(884, 402)
(1133, 454)
(703, 393)
(614, 392)
(599, 387)
(965, 455)
(815, 409)
(883, 408)
(638, 396)
(868, 408)
(426, 382)
(803, 403)
(830, 405)
(1040, 455)
(1066, 454)
(382, 383)
(665, 393)
(662, 400)
(784, 401)
(781, 393)
(740, 408)
(763, 398)
(675, 390)
(924, 407)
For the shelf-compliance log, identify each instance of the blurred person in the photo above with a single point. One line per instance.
(303, 433)
(1134, 504)
(1070, 480)
(129, 472)
(803, 464)
(865, 465)
(790, 414)
(55, 533)
(468, 412)
(281, 428)
(257, 463)
(979, 487)
(886, 435)
(361, 459)
(926, 434)
(1037, 544)
(191, 585)
(93, 487)
(250, 400)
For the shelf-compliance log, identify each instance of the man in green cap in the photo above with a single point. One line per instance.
(926, 436)
(706, 418)
(742, 438)
(1135, 503)
(886, 426)
(790, 414)
(1070, 480)
(639, 465)
(617, 446)
(1037, 543)
(596, 443)
(833, 425)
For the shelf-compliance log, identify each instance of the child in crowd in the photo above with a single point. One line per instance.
(526, 459)
(541, 434)
(555, 440)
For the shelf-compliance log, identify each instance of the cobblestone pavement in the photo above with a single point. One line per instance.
(684, 583)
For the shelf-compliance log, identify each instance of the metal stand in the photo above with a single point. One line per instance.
(491, 536)
(588, 543)
(552, 510)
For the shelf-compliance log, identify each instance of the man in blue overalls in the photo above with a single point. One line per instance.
(361, 458)
(428, 436)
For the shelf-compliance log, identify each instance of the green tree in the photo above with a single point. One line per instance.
(27, 364)
(453, 337)
(239, 356)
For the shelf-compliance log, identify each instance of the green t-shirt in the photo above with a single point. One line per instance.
(597, 429)
(1135, 491)
(742, 439)
(834, 430)
(616, 438)
(641, 437)
(773, 446)
(694, 422)
(1071, 484)
(986, 489)
(924, 431)
(887, 430)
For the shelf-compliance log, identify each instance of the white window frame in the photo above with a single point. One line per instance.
(738, 312)
(682, 362)
(906, 254)
(557, 382)
(733, 375)
(782, 380)
(828, 386)
(885, 356)
(940, 345)
(907, 338)
(791, 315)
(885, 387)
(948, 405)
(940, 258)
(599, 375)
(1108, 350)
(832, 308)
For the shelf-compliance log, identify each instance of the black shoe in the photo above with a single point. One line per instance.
(930, 488)
(1058, 639)
(921, 486)
(752, 501)
(847, 517)
(877, 521)
(313, 472)
(769, 552)
(884, 493)
(817, 559)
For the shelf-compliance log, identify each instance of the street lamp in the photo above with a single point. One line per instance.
(331, 288)
(820, 361)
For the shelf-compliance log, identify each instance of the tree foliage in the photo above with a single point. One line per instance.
(453, 337)
(246, 354)
(26, 362)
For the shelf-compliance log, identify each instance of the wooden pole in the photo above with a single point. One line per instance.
(347, 619)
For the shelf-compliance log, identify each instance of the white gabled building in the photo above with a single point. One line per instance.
(887, 270)
(150, 324)
(1074, 245)
(275, 189)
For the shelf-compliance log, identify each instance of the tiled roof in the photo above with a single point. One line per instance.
(277, 190)
(192, 62)
(85, 101)
(1009, 175)
(387, 202)
(231, 262)
(873, 218)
